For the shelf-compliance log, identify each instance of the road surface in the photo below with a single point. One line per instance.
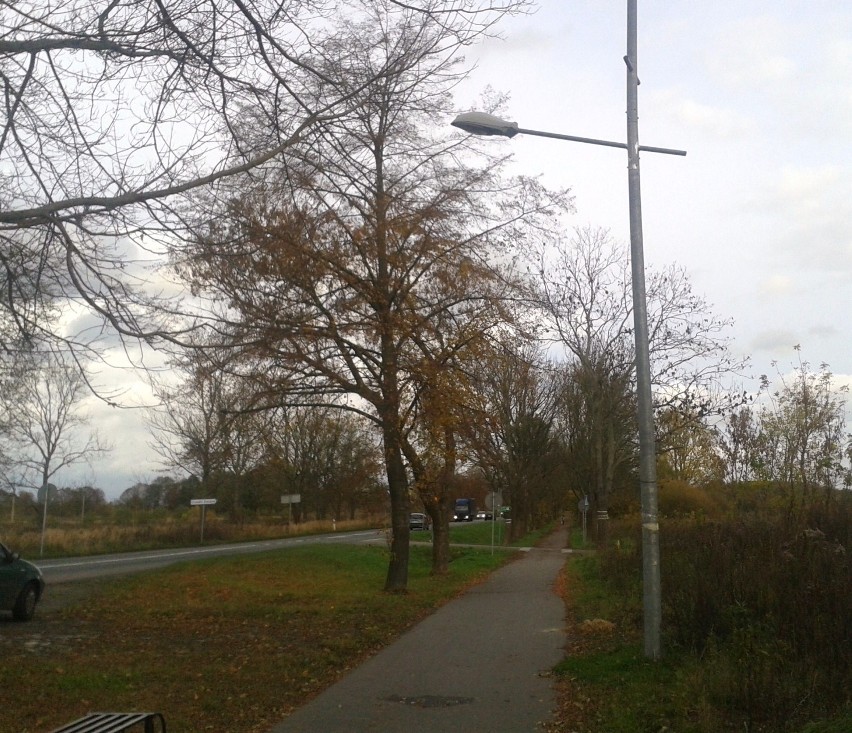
(70, 569)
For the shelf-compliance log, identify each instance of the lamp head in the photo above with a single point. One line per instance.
(481, 123)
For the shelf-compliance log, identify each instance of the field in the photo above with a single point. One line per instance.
(126, 531)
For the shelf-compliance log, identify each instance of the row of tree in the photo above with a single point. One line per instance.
(354, 284)
(535, 450)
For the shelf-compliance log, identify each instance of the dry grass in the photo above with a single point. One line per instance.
(224, 645)
(149, 532)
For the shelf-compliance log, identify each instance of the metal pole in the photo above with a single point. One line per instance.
(44, 521)
(596, 141)
(493, 516)
(647, 453)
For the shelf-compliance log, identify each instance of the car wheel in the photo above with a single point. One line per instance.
(26, 603)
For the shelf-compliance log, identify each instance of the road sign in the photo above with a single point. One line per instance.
(291, 499)
(203, 503)
(47, 491)
(494, 500)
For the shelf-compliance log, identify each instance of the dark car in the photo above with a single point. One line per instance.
(21, 585)
(418, 521)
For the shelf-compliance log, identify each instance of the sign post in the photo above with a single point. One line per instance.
(203, 503)
(583, 506)
(44, 493)
(289, 500)
(492, 503)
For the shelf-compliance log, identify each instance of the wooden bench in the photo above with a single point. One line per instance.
(116, 723)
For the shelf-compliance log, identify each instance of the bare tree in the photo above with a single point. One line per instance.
(596, 421)
(342, 258)
(517, 443)
(186, 425)
(584, 291)
(205, 426)
(115, 111)
(45, 427)
(325, 456)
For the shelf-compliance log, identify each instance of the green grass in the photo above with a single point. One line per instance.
(225, 644)
(576, 539)
(484, 533)
(478, 533)
(631, 693)
(613, 687)
(841, 725)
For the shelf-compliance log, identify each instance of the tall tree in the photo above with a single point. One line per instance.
(738, 444)
(204, 425)
(326, 457)
(585, 293)
(597, 424)
(517, 444)
(691, 450)
(343, 256)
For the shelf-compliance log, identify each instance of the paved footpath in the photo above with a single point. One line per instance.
(480, 664)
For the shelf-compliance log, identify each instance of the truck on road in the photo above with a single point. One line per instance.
(465, 510)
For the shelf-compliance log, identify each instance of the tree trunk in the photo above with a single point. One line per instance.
(439, 512)
(397, 577)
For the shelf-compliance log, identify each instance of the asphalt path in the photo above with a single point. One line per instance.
(71, 569)
(479, 664)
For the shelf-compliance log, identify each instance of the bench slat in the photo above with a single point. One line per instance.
(113, 723)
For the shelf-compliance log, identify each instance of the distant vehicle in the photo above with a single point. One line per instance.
(21, 585)
(465, 510)
(418, 520)
(482, 514)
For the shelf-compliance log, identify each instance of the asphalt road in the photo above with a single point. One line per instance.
(70, 569)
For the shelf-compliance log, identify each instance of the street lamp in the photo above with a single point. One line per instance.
(480, 123)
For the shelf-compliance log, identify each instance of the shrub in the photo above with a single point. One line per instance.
(764, 600)
(681, 499)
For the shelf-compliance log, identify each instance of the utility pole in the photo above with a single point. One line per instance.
(651, 595)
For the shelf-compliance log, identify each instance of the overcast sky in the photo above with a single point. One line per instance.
(759, 212)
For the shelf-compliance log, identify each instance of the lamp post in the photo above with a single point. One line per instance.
(480, 123)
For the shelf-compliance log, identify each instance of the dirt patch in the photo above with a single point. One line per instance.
(53, 624)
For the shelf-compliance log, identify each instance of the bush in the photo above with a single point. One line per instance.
(765, 603)
(680, 499)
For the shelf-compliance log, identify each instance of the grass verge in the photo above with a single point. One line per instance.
(484, 533)
(606, 685)
(225, 644)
